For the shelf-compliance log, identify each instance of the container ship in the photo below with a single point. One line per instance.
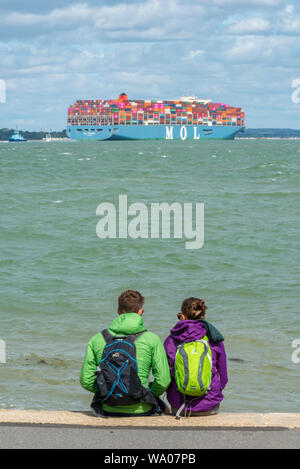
(125, 119)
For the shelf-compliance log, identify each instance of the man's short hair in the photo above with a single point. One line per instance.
(130, 301)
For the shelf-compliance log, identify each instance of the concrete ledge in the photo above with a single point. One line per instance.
(86, 419)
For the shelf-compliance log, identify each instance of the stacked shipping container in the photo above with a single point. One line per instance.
(121, 111)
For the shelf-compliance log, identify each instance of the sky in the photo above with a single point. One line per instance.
(240, 52)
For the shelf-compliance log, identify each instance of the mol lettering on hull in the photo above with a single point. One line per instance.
(152, 132)
(183, 133)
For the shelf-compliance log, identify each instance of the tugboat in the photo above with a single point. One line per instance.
(16, 137)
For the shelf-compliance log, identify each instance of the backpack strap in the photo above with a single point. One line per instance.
(149, 398)
(108, 336)
(136, 336)
(177, 417)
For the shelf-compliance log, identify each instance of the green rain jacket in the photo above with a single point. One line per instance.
(150, 355)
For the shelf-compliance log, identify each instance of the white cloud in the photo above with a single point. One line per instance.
(250, 25)
(289, 9)
(291, 25)
(146, 20)
(77, 12)
(264, 3)
(244, 50)
(194, 53)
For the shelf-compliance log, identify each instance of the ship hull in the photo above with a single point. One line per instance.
(153, 132)
(12, 140)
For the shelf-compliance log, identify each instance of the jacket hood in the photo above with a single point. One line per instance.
(188, 330)
(129, 323)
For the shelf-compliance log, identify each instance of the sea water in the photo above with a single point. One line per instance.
(59, 282)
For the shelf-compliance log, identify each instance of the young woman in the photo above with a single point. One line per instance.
(190, 327)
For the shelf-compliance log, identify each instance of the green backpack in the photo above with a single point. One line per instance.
(193, 368)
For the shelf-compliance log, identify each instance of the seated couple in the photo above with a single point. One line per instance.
(118, 362)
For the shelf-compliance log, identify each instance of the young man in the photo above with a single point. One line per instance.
(150, 356)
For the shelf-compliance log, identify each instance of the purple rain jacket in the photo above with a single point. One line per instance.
(187, 331)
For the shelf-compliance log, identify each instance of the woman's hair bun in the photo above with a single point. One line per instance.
(193, 308)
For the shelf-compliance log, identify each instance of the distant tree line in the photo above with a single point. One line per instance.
(6, 133)
(279, 133)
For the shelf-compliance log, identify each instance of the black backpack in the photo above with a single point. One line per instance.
(117, 380)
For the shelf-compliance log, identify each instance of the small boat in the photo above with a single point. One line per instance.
(16, 137)
(48, 138)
